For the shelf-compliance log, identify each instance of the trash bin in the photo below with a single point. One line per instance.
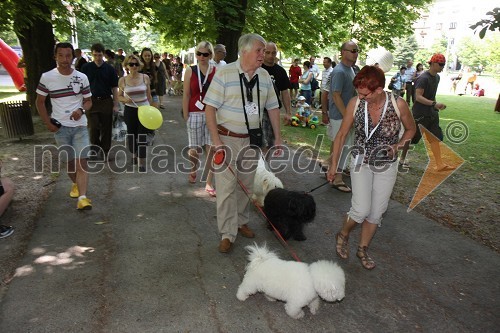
(16, 119)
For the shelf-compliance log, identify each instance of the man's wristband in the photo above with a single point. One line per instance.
(83, 110)
(433, 103)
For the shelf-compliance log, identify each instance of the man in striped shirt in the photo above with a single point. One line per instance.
(239, 88)
(70, 96)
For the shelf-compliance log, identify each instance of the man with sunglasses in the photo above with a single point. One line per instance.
(426, 109)
(341, 91)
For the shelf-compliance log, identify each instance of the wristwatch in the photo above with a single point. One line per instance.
(433, 104)
(83, 110)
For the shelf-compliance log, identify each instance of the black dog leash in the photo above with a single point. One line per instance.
(314, 189)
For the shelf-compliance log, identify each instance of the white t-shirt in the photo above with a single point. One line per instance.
(66, 94)
(218, 65)
(315, 70)
(324, 78)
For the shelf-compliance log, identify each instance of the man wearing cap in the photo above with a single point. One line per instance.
(426, 109)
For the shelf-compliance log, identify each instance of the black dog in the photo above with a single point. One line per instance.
(288, 211)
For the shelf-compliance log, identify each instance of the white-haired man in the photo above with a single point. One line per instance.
(235, 102)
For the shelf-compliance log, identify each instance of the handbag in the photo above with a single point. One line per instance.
(256, 136)
(391, 85)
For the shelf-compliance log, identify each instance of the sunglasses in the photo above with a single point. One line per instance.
(132, 64)
(205, 54)
(441, 64)
(352, 51)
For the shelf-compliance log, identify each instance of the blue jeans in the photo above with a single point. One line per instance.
(74, 141)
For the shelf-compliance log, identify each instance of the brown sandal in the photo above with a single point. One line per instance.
(342, 249)
(366, 261)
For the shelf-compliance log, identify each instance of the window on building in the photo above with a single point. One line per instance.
(453, 25)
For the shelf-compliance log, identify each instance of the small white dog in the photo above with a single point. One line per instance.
(263, 182)
(296, 283)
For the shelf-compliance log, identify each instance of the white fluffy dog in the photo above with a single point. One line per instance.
(296, 283)
(263, 182)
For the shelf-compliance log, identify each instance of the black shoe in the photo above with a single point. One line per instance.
(142, 169)
(5, 231)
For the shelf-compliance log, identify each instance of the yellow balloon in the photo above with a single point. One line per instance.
(150, 117)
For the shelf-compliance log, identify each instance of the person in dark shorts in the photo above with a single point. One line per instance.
(426, 109)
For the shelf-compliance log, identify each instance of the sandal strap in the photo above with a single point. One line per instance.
(342, 249)
(366, 261)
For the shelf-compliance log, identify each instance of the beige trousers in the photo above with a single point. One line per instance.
(232, 202)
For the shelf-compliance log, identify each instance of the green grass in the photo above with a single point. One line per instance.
(10, 94)
(479, 149)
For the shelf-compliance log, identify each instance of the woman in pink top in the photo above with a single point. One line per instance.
(134, 92)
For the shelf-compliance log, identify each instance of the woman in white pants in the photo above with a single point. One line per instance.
(377, 125)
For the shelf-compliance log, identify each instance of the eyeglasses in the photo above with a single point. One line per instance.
(132, 64)
(441, 64)
(352, 51)
(205, 54)
(157, 57)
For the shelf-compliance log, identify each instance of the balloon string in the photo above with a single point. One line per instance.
(126, 95)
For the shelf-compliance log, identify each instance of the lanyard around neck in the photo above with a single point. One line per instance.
(205, 80)
(368, 136)
(249, 87)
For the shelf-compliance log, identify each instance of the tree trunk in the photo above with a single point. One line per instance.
(36, 37)
(230, 16)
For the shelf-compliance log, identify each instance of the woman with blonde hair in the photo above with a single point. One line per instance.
(134, 91)
(196, 82)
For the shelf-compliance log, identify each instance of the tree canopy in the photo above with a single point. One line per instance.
(296, 26)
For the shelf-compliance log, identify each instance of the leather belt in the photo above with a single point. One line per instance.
(224, 131)
(101, 98)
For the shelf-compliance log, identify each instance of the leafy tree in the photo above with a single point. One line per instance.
(9, 37)
(33, 22)
(297, 26)
(108, 31)
(406, 48)
(492, 23)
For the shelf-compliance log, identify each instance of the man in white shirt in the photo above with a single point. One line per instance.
(325, 86)
(219, 55)
(410, 71)
(314, 68)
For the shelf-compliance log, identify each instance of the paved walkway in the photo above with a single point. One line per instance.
(145, 259)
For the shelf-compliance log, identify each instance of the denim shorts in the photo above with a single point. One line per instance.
(74, 141)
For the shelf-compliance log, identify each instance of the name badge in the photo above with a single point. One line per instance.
(251, 109)
(199, 105)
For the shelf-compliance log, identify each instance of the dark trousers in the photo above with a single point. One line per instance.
(431, 123)
(100, 123)
(410, 93)
(136, 133)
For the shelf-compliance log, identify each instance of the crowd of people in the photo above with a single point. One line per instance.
(235, 107)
